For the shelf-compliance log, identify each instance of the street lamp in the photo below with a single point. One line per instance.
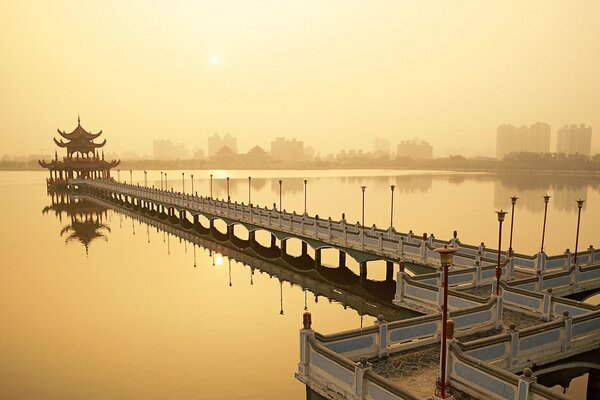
(119, 175)
(228, 198)
(183, 182)
(305, 182)
(392, 187)
(146, 178)
(161, 180)
(280, 183)
(192, 176)
(211, 186)
(363, 205)
(501, 215)
(249, 190)
(446, 258)
(130, 177)
(546, 200)
(579, 206)
(513, 201)
(166, 184)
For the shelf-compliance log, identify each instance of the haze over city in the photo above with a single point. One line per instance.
(334, 74)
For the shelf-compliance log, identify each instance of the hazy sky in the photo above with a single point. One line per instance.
(333, 73)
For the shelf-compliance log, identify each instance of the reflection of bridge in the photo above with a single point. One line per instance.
(367, 297)
(364, 244)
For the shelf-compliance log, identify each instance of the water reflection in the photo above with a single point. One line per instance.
(85, 218)
(339, 284)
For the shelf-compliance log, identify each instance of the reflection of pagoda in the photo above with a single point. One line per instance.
(86, 218)
(82, 160)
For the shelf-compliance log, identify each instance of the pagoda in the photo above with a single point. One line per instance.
(82, 160)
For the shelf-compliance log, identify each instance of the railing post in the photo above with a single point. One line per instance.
(525, 381)
(540, 281)
(540, 261)
(514, 345)
(499, 310)
(382, 324)
(568, 331)
(359, 375)
(401, 247)
(567, 255)
(547, 305)
(478, 274)
(592, 254)
(399, 296)
(481, 249)
(305, 333)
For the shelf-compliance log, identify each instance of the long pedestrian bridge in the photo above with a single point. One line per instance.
(362, 243)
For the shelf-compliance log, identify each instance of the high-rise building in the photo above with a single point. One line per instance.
(534, 139)
(381, 147)
(167, 150)
(574, 139)
(415, 149)
(216, 143)
(288, 150)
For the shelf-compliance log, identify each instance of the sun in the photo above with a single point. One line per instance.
(214, 60)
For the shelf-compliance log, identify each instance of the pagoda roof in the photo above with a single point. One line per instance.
(79, 140)
(79, 163)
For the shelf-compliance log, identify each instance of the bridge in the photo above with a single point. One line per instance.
(498, 340)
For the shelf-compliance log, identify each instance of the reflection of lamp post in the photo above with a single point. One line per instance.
(228, 198)
(192, 176)
(305, 182)
(211, 186)
(446, 258)
(280, 183)
(546, 200)
(501, 215)
(249, 190)
(363, 205)
(513, 201)
(146, 178)
(280, 296)
(579, 206)
(392, 187)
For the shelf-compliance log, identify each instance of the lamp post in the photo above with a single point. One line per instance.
(392, 187)
(146, 178)
(546, 200)
(280, 196)
(501, 215)
(446, 257)
(305, 182)
(161, 180)
(249, 190)
(513, 201)
(130, 177)
(363, 188)
(211, 186)
(228, 197)
(579, 206)
(119, 175)
(192, 177)
(183, 182)
(166, 182)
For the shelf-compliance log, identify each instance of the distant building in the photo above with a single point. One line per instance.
(574, 140)
(166, 150)
(533, 139)
(257, 156)
(288, 150)
(415, 149)
(198, 154)
(216, 142)
(381, 147)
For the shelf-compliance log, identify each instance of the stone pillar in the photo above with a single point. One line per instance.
(547, 305)
(196, 221)
(400, 284)
(382, 324)
(568, 332)
(306, 333)
(252, 236)
(304, 248)
(363, 271)
(230, 233)
(342, 259)
(514, 345)
(359, 370)
(525, 381)
(317, 258)
(389, 271)
(283, 248)
(273, 240)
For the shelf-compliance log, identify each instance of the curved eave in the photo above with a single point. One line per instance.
(78, 133)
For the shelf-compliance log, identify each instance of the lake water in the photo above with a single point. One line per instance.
(130, 317)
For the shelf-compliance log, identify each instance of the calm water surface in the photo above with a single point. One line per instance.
(132, 318)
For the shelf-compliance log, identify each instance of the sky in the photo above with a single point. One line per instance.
(335, 74)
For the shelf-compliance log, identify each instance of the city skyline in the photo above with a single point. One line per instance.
(329, 76)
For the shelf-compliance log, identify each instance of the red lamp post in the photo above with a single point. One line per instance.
(579, 206)
(501, 215)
